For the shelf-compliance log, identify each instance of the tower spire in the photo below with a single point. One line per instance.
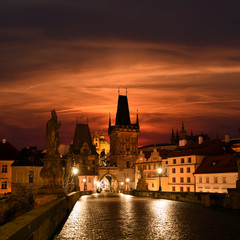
(137, 122)
(109, 119)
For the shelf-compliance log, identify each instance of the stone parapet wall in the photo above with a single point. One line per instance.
(42, 222)
(221, 200)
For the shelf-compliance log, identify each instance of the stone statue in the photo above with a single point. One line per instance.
(52, 136)
(52, 172)
(142, 185)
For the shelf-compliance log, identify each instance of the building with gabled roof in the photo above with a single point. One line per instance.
(217, 173)
(82, 149)
(8, 153)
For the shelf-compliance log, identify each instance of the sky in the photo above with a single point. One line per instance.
(179, 60)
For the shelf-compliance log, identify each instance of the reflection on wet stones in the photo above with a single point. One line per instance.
(118, 216)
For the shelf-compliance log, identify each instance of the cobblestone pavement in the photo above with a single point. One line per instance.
(118, 216)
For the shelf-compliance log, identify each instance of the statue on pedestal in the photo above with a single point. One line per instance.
(141, 184)
(52, 172)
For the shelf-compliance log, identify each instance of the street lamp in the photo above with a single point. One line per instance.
(75, 171)
(84, 181)
(127, 183)
(159, 172)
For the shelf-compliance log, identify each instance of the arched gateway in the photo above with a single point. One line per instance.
(109, 182)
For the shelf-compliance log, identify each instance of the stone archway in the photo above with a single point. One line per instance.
(109, 182)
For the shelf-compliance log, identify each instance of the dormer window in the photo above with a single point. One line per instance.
(213, 163)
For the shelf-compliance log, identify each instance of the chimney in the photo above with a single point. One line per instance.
(200, 140)
(227, 139)
(4, 140)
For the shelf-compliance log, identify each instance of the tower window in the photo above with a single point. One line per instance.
(31, 176)
(128, 164)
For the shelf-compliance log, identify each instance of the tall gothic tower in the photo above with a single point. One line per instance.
(123, 137)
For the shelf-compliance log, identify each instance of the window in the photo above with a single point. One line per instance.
(152, 184)
(188, 170)
(149, 167)
(154, 166)
(4, 168)
(173, 170)
(181, 189)
(93, 162)
(174, 161)
(181, 170)
(128, 164)
(188, 180)
(182, 160)
(224, 180)
(173, 179)
(31, 176)
(4, 184)
(207, 179)
(188, 189)
(166, 162)
(181, 179)
(200, 179)
(189, 160)
(137, 167)
(215, 180)
(145, 167)
(173, 189)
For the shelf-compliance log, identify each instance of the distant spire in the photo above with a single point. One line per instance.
(177, 137)
(137, 122)
(109, 119)
(172, 137)
(182, 126)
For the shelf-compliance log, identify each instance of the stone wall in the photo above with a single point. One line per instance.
(43, 222)
(205, 199)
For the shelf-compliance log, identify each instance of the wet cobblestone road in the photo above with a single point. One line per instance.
(118, 216)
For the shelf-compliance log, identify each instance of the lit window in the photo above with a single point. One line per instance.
(215, 180)
(181, 170)
(173, 170)
(31, 176)
(182, 160)
(4, 168)
(4, 184)
(188, 170)
(181, 179)
(224, 180)
(207, 179)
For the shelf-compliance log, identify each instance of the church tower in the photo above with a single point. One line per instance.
(123, 137)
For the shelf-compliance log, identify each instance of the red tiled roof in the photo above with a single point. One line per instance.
(218, 164)
(8, 151)
(209, 147)
(86, 172)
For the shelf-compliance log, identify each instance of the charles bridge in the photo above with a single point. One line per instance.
(140, 215)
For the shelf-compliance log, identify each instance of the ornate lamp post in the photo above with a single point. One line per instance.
(75, 171)
(85, 186)
(159, 172)
(127, 183)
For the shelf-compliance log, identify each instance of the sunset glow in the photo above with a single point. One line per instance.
(179, 63)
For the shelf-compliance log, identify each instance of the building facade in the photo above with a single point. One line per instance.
(8, 153)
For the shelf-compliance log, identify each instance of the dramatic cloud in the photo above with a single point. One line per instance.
(179, 60)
